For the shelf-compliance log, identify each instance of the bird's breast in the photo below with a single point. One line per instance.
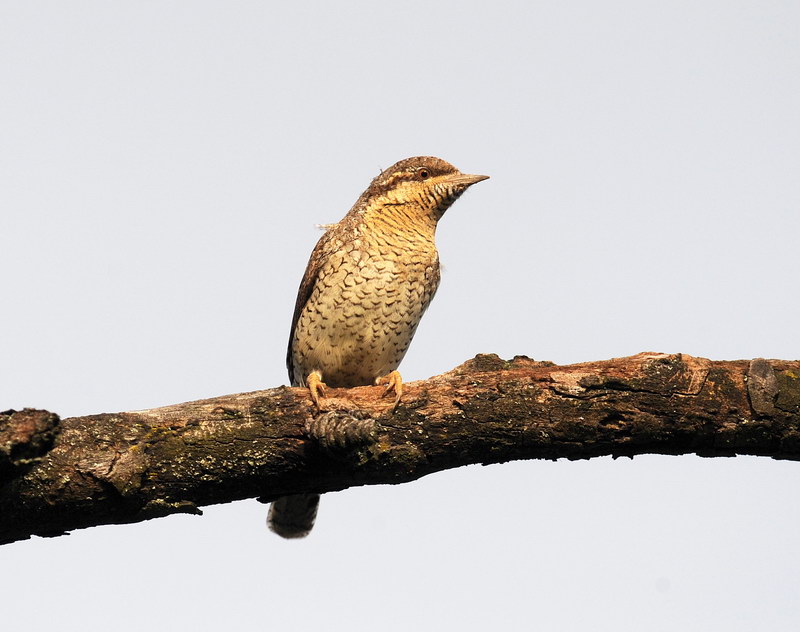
(363, 312)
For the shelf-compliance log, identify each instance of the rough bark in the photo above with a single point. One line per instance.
(57, 475)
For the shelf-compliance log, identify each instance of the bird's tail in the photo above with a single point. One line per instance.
(293, 516)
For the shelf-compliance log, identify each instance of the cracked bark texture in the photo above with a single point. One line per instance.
(58, 475)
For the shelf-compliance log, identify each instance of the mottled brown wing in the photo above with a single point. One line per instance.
(324, 248)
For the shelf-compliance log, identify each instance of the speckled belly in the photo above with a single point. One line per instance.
(361, 317)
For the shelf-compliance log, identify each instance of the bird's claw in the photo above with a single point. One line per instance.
(394, 382)
(316, 388)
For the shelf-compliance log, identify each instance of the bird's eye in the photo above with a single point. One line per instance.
(424, 174)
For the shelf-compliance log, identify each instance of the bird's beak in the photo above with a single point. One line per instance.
(464, 179)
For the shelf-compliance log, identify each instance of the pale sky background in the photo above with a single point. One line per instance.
(163, 166)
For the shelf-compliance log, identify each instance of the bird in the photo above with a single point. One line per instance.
(367, 284)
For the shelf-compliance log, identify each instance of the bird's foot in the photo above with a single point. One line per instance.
(394, 382)
(316, 387)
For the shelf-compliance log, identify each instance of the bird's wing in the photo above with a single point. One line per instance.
(326, 245)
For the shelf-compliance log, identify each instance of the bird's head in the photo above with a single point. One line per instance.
(421, 188)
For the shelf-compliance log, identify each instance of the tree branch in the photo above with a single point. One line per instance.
(57, 475)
